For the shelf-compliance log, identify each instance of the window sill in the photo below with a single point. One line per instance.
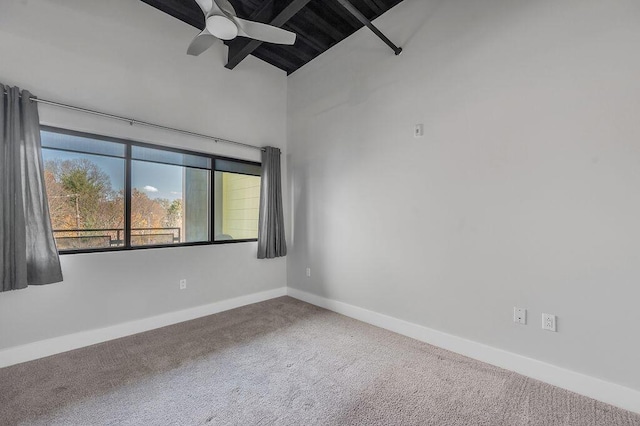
(117, 249)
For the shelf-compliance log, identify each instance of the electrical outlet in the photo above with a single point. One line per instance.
(418, 131)
(183, 284)
(549, 322)
(520, 315)
(308, 272)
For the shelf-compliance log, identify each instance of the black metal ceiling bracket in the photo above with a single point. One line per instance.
(360, 17)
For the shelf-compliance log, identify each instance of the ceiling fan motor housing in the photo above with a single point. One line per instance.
(222, 27)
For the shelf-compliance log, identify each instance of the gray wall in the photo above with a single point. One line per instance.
(522, 192)
(124, 57)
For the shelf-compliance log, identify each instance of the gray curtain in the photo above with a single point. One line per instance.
(271, 242)
(28, 254)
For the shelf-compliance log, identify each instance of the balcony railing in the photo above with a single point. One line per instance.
(78, 239)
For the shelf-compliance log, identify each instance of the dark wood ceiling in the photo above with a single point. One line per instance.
(319, 25)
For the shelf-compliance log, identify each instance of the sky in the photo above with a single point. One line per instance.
(157, 180)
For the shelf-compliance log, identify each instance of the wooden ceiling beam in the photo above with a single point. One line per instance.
(308, 38)
(322, 24)
(373, 6)
(189, 15)
(240, 49)
(343, 14)
(262, 13)
(383, 7)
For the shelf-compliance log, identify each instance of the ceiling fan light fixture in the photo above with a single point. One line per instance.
(222, 27)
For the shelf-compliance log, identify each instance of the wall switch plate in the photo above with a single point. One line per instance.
(183, 284)
(308, 272)
(520, 315)
(549, 322)
(418, 131)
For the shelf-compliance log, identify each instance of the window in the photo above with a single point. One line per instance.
(169, 197)
(238, 200)
(107, 194)
(85, 181)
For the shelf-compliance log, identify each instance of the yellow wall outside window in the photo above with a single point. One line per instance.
(240, 203)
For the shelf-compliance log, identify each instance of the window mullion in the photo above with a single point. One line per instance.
(212, 198)
(127, 198)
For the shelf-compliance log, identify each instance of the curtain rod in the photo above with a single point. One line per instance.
(133, 121)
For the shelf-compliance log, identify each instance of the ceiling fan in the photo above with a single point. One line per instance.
(223, 23)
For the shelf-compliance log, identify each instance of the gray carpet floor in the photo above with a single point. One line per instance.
(282, 362)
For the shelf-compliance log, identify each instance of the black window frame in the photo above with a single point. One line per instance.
(128, 144)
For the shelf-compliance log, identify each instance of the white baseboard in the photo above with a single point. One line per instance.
(43, 348)
(598, 389)
(592, 387)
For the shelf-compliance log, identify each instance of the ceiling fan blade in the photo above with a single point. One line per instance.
(264, 32)
(202, 42)
(205, 5)
(225, 6)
